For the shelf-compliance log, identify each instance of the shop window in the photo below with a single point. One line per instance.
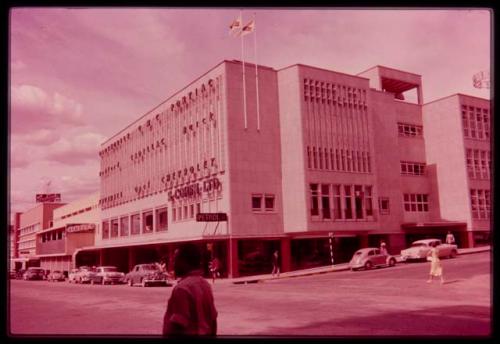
(147, 222)
(105, 229)
(136, 224)
(124, 226)
(114, 228)
(256, 202)
(161, 219)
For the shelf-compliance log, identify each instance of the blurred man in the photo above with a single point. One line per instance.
(191, 310)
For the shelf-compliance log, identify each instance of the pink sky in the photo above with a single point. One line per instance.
(80, 75)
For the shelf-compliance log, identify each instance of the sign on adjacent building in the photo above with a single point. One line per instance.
(211, 217)
(79, 228)
(42, 198)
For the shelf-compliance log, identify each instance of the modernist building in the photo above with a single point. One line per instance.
(31, 222)
(73, 227)
(322, 155)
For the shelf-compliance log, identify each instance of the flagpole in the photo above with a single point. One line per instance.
(244, 82)
(256, 70)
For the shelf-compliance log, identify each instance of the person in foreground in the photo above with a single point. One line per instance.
(436, 268)
(191, 309)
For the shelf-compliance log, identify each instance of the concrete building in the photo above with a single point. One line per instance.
(73, 227)
(324, 160)
(31, 222)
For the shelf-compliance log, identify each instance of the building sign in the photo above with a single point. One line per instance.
(195, 190)
(42, 198)
(211, 217)
(79, 228)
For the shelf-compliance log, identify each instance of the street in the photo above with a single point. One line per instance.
(387, 301)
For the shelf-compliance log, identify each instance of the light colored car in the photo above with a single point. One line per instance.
(146, 274)
(370, 257)
(420, 248)
(55, 276)
(72, 275)
(107, 274)
(84, 274)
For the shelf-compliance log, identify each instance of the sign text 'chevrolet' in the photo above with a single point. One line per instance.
(211, 217)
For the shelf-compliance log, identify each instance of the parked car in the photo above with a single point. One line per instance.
(72, 275)
(107, 274)
(420, 248)
(146, 274)
(84, 274)
(370, 257)
(56, 276)
(20, 274)
(34, 274)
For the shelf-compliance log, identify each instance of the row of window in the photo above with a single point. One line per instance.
(412, 168)
(476, 122)
(30, 229)
(416, 202)
(480, 203)
(325, 92)
(478, 163)
(338, 160)
(136, 224)
(27, 244)
(53, 235)
(262, 203)
(340, 202)
(81, 211)
(406, 129)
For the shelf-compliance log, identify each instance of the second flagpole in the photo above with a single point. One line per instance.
(244, 82)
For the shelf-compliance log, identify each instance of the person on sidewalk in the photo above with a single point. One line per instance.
(276, 265)
(450, 239)
(383, 248)
(191, 309)
(436, 268)
(214, 268)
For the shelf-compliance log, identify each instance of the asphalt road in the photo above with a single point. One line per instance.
(382, 302)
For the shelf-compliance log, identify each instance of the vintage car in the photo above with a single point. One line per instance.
(84, 274)
(34, 274)
(72, 275)
(147, 274)
(55, 276)
(370, 257)
(420, 248)
(106, 274)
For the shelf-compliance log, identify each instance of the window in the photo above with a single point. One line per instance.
(136, 224)
(337, 202)
(315, 165)
(416, 202)
(347, 201)
(473, 200)
(409, 130)
(256, 202)
(465, 123)
(320, 157)
(114, 228)
(124, 226)
(470, 167)
(198, 208)
(174, 214)
(269, 202)
(412, 168)
(147, 222)
(384, 205)
(105, 229)
(308, 157)
(179, 213)
(314, 200)
(59, 235)
(480, 203)
(368, 200)
(191, 211)
(161, 219)
(358, 201)
(325, 201)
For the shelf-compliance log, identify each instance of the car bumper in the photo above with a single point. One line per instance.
(411, 257)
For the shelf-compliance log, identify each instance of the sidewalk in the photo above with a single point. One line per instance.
(323, 269)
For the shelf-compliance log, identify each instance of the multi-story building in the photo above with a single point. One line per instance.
(13, 242)
(73, 228)
(31, 222)
(311, 158)
(458, 145)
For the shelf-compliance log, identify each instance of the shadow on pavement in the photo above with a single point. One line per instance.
(452, 321)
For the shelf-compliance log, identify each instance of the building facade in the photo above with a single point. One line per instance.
(310, 160)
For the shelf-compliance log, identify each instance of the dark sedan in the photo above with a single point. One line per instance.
(34, 274)
(145, 275)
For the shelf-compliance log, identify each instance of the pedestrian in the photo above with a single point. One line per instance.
(276, 266)
(383, 248)
(191, 309)
(214, 268)
(436, 268)
(450, 239)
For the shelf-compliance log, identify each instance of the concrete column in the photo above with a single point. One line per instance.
(469, 240)
(286, 255)
(232, 258)
(420, 96)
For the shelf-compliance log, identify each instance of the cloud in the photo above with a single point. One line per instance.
(73, 187)
(76, 150)
(40, 137)
(33, 108)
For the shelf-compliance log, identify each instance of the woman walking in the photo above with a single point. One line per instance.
(436, 268)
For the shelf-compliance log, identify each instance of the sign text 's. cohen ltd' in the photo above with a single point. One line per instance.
(194, 190)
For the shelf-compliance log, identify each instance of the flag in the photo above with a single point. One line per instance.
(249, 28)
(235, 26)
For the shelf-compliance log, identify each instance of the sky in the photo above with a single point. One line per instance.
(79, 75)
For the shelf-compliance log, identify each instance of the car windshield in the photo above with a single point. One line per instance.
(358, 253)
(150, 267)
(109, 269)
(418, 244)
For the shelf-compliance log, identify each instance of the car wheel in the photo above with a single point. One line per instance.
(392, 262)
(368, 265)
(144, 284)
(130, 283)
(453, 253)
